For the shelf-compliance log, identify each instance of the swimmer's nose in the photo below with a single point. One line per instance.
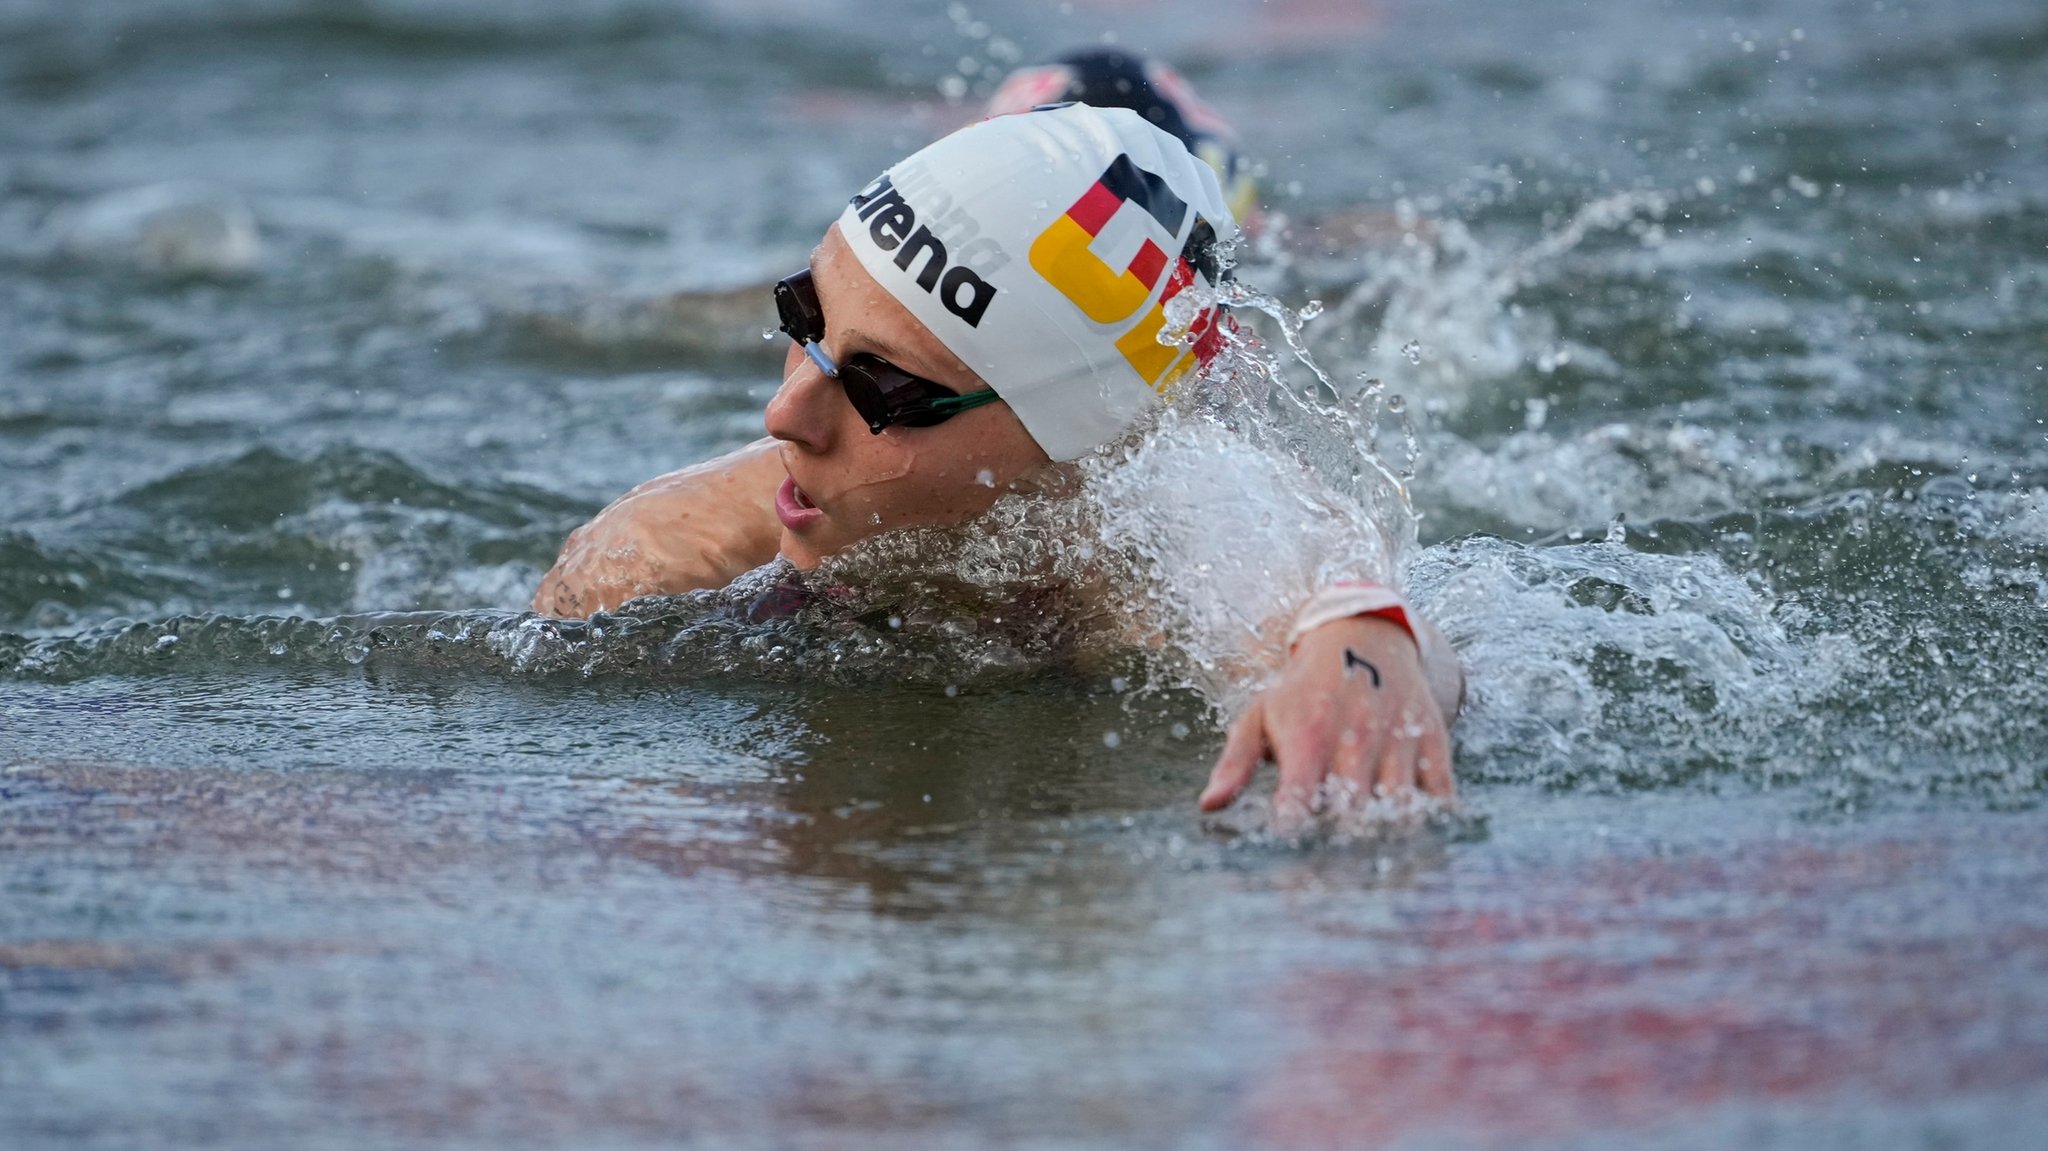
(806, 409)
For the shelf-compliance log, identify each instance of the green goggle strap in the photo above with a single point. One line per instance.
(953, 405)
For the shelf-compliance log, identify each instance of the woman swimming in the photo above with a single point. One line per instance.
(987, 310)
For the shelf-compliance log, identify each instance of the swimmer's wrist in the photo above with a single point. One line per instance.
(1355, 599)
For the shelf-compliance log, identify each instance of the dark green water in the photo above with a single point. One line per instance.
(1757, 777)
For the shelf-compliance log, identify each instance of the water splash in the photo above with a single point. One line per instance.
(1439, 315)
(1593, 665)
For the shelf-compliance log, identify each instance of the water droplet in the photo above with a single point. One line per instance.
(1413, 350)
(1111, 739)
(1397, 403)
(985, 478)
(1179, 730)
(768, 333)
(1309, 311)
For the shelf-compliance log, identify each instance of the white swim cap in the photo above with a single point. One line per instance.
(1040, 248)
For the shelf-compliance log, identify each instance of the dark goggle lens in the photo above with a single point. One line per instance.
(884, 394)
(881, 392)
(796, 304)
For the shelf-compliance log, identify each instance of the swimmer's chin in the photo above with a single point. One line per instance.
(807, 551)
(797, 554)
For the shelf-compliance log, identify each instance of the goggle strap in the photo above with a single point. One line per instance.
(953, 404)
(818, 357)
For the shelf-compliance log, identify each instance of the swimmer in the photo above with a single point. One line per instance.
(1120, 78)
(956, 339)
(722, 322)
(1115, 78)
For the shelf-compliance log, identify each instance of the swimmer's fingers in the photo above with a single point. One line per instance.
(1302, 753)
(1433, 764)
(1395, 777)
(1242, 751)
(1417, 757)
(1355, 757)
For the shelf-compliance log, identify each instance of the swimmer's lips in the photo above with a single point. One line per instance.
(793, 508)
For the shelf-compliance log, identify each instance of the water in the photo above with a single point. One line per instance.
(320, 326)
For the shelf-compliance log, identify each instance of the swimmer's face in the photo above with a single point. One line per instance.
(847, 483)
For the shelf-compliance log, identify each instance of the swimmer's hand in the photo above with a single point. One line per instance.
(1353, 705)
(701, 527)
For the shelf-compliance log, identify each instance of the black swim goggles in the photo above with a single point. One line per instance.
(881, 392)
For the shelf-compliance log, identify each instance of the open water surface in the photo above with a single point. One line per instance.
(1724, 336)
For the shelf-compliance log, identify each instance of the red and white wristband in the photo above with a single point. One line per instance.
(1349, 599)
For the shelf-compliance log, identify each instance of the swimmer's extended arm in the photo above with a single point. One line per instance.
(699, 527)
(1361, 700)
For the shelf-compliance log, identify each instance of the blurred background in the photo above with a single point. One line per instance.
(1723, 329)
